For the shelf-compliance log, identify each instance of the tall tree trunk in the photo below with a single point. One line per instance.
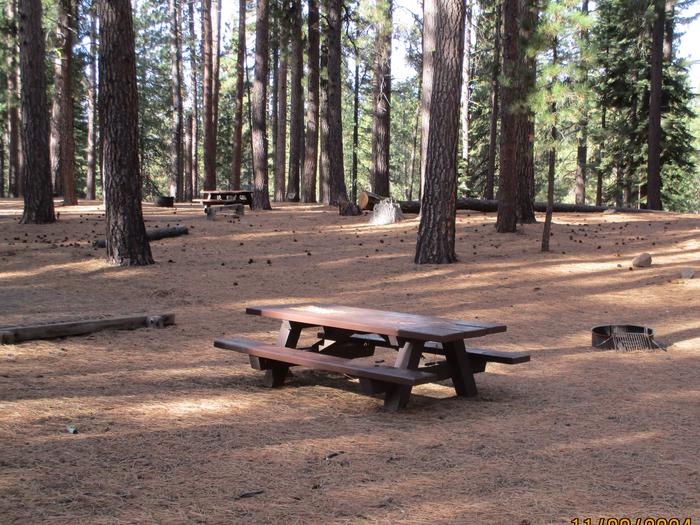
(655, 92)
(582, 135)
(176, 152)
(429, 23)
(355, 122)
(281, 136)
(36, 167)
(525, 155)
(12, 101)
(261, 194)
(187, 158)
(62, 138)
(216, 68)
(238, 109)
(495, 98)
(209, 147)
(381, 123)
(466, 89)
(338, 191)
(507, 210)
(308, 192)
(669, 30)
(194, 173)
(551, 160)
(599, 162)
(3, 137)
(91, 153)
(324, 168)
(436, 232)
(127, 243)
(296, 117)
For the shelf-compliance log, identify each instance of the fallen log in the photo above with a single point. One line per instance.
(366, 200)
(16, 334)
(153, 235)
(485, 205)
(212, 211)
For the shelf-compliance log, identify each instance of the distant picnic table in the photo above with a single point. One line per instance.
(224, 197)
(347, 333)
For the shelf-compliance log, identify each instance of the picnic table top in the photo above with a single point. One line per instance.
(404, 325)
(226, 192)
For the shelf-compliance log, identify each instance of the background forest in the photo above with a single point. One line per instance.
(587, 70)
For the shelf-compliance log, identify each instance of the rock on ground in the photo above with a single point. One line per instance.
(643, 260)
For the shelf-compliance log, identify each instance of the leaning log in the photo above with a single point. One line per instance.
(485, 205)
(16, 334)
(153, 235)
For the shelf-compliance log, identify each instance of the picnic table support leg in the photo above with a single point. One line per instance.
(276, 374)
(409, 357)
(462, 375)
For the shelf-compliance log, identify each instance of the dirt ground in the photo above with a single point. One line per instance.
(172, 430)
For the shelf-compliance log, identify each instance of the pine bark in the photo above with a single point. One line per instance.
(12, 101)
(62, 138)
(36, 166)
(381, 136)
(91, 153)
(525, 155)
(324, 168)
(261, 195)
(177, 147)
(655, 93)
(209, 146)
(296, 117)
(238, 109)
(507, 209)
(126, 239)
(308, 192)
(436, 232)
(281, 136)
(338, 191)
(495, 110)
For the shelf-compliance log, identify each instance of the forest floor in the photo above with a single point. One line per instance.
(173, 430)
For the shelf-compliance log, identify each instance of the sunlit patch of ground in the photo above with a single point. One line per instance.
(172, 430)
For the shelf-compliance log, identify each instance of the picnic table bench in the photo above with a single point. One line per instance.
(349, 333)
(224, 197)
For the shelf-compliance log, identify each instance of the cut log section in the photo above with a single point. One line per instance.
(17, 334)
(153, 235)
(484, 205)
(366, 200)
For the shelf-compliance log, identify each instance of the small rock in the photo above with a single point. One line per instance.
(71, 429)
(687, 273)
(643, 260)
(609, 211)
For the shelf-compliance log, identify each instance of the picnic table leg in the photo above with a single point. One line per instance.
(462, 375)
(276, 374)
(409, 358)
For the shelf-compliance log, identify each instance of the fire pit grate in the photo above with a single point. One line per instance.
(627, 338)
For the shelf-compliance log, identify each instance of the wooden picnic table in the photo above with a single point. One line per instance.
(348, 333)
(223, 197)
